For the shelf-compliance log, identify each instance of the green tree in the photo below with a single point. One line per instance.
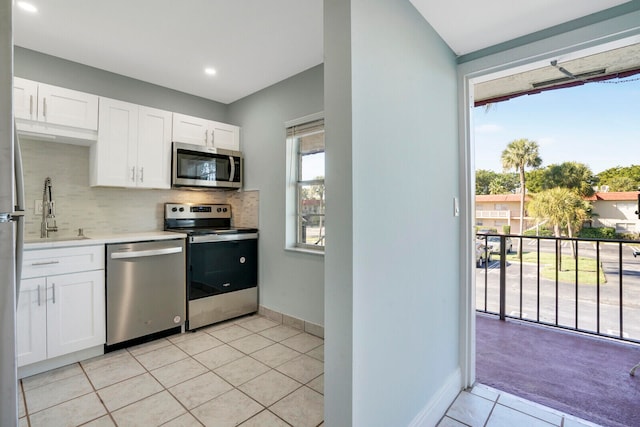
(518, 155)
(562, 208)
(484, 178)
(572, 175)
(621, 178)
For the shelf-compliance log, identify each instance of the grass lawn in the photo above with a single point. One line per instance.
(586, 267)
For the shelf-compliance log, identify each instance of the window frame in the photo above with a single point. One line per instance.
(295, 183)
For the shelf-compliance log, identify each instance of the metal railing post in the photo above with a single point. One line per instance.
(503, 277)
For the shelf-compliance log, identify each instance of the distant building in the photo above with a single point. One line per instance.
(616, 209)
(610, 209)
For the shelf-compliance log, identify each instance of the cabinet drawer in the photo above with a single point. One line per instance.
(48, 262)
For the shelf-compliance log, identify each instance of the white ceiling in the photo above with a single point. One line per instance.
(251, 43)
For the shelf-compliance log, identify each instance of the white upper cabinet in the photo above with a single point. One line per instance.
(194, 130)
(133, 148)
(50, 110)
(154, 148)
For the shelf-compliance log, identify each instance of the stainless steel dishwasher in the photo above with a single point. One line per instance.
(146, 291)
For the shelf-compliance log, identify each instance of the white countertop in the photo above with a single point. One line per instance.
(62, 242)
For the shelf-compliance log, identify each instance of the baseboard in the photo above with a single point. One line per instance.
(293, 322)
(435, 409)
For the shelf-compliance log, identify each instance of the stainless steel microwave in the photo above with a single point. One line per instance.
(205, 167)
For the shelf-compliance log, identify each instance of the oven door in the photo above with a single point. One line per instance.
(200, 166)
(221, 267)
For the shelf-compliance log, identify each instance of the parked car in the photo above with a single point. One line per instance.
(494, 242)
(482, 256)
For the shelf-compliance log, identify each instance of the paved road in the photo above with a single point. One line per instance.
(587, 295)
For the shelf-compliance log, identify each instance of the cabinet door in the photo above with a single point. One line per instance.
(113, 158)
(67, 107)
(154, 148)
(75, 312)
(25, 99)
(31, 322)
(226, 136)
(192, 130)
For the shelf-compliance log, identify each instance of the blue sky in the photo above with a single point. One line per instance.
(597, 124)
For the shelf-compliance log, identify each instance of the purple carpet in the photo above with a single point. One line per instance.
(580, 375)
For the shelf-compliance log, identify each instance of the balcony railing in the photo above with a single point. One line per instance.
(493, 214)
(585, 285)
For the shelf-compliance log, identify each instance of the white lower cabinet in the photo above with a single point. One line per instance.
(60, 314)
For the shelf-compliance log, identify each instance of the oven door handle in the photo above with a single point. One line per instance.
(141, 254)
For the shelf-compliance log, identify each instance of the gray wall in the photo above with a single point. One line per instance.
(404, 277)
(291, 282)
(52, 70)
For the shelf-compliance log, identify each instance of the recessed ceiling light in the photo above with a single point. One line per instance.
(210, 71)
(28, 7)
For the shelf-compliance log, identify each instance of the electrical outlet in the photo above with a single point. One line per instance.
(37, 207)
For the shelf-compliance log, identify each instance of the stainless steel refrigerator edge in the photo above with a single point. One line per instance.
(11, 201)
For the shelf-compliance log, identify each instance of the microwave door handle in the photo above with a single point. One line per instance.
(232, 169)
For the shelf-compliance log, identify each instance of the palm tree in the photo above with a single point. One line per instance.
(519, 154)
(563, 208)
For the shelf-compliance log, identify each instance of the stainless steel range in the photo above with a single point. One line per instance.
(222, 262)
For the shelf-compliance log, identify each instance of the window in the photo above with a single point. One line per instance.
(305, 158)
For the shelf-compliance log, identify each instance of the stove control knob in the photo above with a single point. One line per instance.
(224, 209)
(219, 209)
(181, 209)
(174, 209)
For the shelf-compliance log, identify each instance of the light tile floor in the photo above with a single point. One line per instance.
(249, 371)
(484, 406)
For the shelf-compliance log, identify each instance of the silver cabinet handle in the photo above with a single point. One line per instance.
(53, 287)
(38, 295)
(142, 174)
(45, 263)
(44, 107)
(151, 252)
(31, 105)
(133, 174)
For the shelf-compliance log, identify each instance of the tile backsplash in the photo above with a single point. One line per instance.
(103, 210)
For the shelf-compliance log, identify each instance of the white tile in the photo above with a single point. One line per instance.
(161, 357)
(104, 360)
(258, 323)
(302, 369)
(151, 411)
(571, 421)
(317, 353)
(73, 412)
(198, 343)
(51, 376)
(148, 346)
(177, 372)
(303, 342)
(450, 422)
(302, 408)
(231, 333)
(486, 392)
(57, 392)
(199, 390)
(269, 387)
(470, 409)
(530, 408)
(185, 420)
(104, 421)
(251, 343)
(242, 370)
(507, 417)
(126, 392)
(218, 356)
(21, 408)
(22, 422)
(280, 332)
(264, 419)
(275, 355)
(115, 369)
(317, 384)
(228, 410)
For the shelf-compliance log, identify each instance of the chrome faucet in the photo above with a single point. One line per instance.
(48, 210)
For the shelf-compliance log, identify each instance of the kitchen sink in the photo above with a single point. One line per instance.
(57, 239)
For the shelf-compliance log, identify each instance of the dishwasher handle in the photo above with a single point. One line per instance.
(146, 253)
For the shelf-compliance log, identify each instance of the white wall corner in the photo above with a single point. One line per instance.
(435, 408)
